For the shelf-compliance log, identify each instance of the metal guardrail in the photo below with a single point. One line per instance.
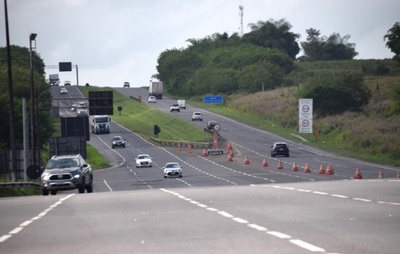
(20, 185)
(175, 143)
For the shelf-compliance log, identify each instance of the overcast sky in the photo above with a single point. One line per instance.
(113, 41)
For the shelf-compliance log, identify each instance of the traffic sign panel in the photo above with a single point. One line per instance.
(213, 99)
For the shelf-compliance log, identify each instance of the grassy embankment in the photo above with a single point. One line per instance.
(372, 134)
(141, 118)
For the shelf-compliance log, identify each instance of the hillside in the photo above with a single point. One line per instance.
(372, 134)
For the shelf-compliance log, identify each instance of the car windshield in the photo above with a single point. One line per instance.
(141, 157)
(116, 138)
(101, 119)
(62, 163)
(172, 166)
(281, 145)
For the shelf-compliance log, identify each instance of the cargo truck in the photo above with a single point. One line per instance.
(156, 89)
(100, 124)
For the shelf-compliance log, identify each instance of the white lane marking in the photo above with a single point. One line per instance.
(257, 227)
(225, 214)
(339, 196)
(240, 220)
(362, 199)
(307, 246)
(325, 193)
(108, 186)
(280, 235)
(26, 223)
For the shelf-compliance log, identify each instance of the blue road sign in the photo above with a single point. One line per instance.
(219, 99)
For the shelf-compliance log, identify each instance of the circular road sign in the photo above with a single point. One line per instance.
(217, 127)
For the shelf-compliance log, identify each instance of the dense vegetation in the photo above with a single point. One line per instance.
(20, 60)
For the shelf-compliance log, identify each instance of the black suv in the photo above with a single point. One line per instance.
(279, 148)
(67, 172)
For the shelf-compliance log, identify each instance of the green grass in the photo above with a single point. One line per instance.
(141, 118)
(95, 159)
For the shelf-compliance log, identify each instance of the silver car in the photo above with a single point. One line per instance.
(143, 160)
(172, 169)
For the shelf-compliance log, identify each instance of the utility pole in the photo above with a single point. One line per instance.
(11, 100)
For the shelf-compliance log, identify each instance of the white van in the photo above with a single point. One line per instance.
(181, 103)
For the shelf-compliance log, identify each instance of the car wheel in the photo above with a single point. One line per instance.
(53, 192)
(287, 155)
(45, 192)
(124, 146)
(180, 176)
(165, 176)
(89, 188)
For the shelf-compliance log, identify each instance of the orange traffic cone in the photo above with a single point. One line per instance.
(204, 153)
(321, 170)
(228, 147)
(264, 163)
(329, 170)
(357, 175)
(294, 167)
(230, 157)
(380, 174)
(189, 149)
(179, 147)
(280, 166)
(307, 169)
(246, 160)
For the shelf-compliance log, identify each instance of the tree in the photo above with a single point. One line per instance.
(393, 40)
(275, 35)
(335, 93)
(21, 85)
(324, 48)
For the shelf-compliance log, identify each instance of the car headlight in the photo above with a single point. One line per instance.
(45, 176)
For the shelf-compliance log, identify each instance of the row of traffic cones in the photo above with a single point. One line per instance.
(329, 170)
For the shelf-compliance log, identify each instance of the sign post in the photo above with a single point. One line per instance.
(305, 115)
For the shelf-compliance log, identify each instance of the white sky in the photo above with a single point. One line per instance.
(113, 41)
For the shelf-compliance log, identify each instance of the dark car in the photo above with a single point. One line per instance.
(213, 125)
(279, 148)
(117, 141)
(66, 172)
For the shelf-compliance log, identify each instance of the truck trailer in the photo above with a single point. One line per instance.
(156, 89)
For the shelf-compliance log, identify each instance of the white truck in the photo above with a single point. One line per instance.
(100, 124)
(181, 103)
(156, 89)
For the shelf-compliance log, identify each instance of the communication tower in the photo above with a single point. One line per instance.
(241, 9)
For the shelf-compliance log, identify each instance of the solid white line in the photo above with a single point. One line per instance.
(307, 246)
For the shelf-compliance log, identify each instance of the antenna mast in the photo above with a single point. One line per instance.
(241, 8)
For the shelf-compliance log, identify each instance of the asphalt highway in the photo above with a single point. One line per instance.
(218, 206)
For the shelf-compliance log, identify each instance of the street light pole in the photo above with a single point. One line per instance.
(32, 38)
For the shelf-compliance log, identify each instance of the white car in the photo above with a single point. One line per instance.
(197, 116)
(144, 160)
(172, 169)
(152, 99)
(63, 90)
(174, 107)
